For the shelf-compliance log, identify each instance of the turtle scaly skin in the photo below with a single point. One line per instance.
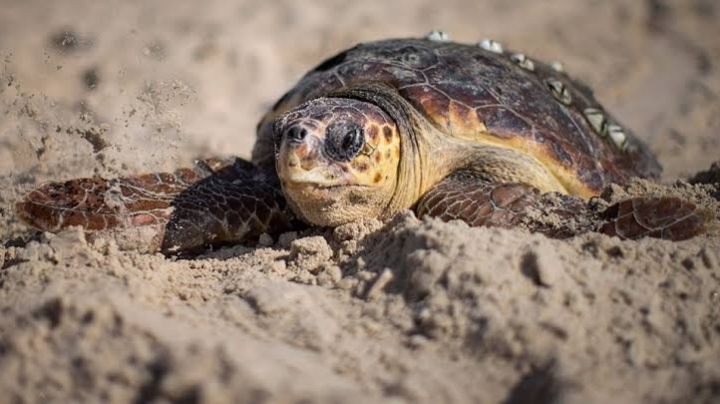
(455, 131)
(216, 202)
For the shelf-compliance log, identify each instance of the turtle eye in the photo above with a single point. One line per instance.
(343, 140)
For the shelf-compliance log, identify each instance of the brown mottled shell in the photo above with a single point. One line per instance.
(472, 93)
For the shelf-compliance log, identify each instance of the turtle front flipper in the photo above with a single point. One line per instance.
(479, 202)
(213, 203)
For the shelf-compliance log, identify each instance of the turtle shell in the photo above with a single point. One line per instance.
(485, 94)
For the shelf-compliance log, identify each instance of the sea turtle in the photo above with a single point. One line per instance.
(455, 131)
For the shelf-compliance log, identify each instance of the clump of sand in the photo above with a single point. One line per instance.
(404, 311)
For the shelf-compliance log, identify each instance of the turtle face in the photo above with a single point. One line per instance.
(337, 159)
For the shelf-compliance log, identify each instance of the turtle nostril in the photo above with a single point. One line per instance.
(296, 133)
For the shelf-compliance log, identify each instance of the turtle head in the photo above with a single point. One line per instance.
(337, 159)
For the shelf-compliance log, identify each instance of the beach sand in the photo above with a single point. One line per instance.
(404, 311)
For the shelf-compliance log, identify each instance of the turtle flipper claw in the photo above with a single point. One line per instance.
(665, 217)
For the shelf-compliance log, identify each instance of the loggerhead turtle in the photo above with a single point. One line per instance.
(454, 131)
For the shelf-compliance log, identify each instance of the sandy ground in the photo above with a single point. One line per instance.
(405, 311)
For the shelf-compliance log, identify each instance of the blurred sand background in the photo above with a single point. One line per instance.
(467, 315)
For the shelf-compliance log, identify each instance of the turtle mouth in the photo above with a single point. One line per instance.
(321, 193)
(316, 179)
(338, 186)
(310, 186)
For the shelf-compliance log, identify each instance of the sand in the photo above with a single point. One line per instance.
(405, 311)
